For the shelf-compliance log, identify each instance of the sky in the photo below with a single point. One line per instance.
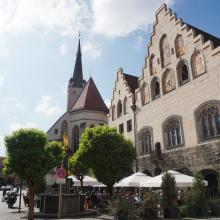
(38, 43)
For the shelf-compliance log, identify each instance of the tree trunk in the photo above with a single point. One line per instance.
(31, 202)
(110, 191)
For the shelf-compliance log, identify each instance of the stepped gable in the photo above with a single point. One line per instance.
(132, 81)
(90, 99)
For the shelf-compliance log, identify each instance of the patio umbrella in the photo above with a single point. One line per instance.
(87, 181)
(133, 181)
(182, 180)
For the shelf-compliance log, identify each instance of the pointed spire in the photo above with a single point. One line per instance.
(78, 74)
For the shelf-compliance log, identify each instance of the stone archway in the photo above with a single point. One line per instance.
(212, 177)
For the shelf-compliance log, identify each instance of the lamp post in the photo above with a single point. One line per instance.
(134, 109)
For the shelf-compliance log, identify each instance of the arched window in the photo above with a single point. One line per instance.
(155, 88)
(119, 109)
(125, 103)
(179, 46)
(208, 121)
(113, 112)
(75, 138)
(152, 64)
(164, 51)
(173, 132)
(146, 141)
(145, 96)
(198, 63)
(64, 128)
(182, 72)
(168, 81)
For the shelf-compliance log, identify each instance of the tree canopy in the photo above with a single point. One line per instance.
(30, 157)
(107, 153)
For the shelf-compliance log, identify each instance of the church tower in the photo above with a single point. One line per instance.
(76, 83)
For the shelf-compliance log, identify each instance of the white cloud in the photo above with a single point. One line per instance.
(2, 146)
(45, 106)
(65, 17)
(108, 102)
(121, 17)
(63, 50)
(9, 103)
(138, 42)
(92, 50)
(16, 125)
(2, 80)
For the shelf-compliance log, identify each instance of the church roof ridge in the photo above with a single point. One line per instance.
(90, 99)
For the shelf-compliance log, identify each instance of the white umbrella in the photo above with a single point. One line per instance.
(182, 180)
(133, 181)
(87, 181)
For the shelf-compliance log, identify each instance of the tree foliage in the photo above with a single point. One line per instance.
(169, 190)
(30, 157)
(107, 153)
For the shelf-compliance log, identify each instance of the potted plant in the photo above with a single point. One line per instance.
(169, 196)
(149, 207)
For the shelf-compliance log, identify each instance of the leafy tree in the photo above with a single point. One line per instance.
(218, 184)
(30, 157)
(78, 167)
(107, 153)
(169, 191)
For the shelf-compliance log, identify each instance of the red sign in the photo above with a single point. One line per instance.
(61, 173)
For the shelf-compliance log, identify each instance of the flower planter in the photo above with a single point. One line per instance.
(150, 213)
(121, 215)
(171, 213)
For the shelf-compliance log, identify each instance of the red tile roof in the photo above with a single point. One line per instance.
(90, 99)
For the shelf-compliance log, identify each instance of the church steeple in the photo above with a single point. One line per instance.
(76, 83)
(77, 79)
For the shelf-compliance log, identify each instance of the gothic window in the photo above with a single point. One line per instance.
(75, 138)
(119, 109)
(125, 102)
(173, 132)
(113, 112)
(121, 128)
(64, 128)
(179, 46)
(198, 63)
(146, 141)
(155, 88)
(208, 121)
(168, 80)
(152, 64)
(145, 96)
(164, 51)
(182, 72)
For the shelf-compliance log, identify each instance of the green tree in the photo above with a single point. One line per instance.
(169, 191)
(107, 153)
(78, 167)
(30, 157)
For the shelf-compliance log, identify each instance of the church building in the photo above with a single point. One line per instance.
(85, 108)
(172, 111)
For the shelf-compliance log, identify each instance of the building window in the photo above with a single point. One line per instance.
(146, 141)
(169, 82)
(198, 63)
(208, 121)
(121, 128)
(182, 72)
(129, 125)
(164, 51)
(173, 132)
(55, 131)
(179, 46)
(125, 102)
(152, 64)
(92, 126)
(113, 112)
(119, 109)
(64, 128)
(155, 88)
(145, 95)
(75, 138)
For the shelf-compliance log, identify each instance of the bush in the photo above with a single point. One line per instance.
(187, 211)
(214, 207)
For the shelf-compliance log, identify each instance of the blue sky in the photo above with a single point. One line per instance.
(38, 42)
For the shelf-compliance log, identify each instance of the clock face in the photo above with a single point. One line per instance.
(169, 82)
